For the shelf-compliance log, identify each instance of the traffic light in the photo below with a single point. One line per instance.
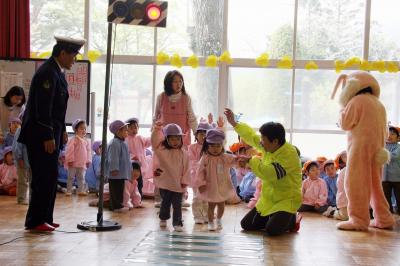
(138, 12)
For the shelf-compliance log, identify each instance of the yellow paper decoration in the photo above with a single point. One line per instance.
(226, 58)
(354, 61)
(285, 62)
(45, 54)
(162, 58)
(34, 55)
(212, 61)
(379, 66)
(79, 57)
(339, 66)
(93, 55)
(311, 65)
(365, 65)
(262, 60)
(392, 67)
(176, 61)
(193, 61)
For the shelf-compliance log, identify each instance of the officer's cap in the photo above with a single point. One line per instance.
(70, 45)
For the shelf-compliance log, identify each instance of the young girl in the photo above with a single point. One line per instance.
(171, 171)
(137, 149)
(8, 174)
(313, 189)
(199, 207)
(341, 199)
(14, 124)
(93, 172)
(175, 106)
(78, 156)
(213, 178)
(118, 165)
(132, 197)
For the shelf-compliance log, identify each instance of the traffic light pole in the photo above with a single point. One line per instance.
(100, 224)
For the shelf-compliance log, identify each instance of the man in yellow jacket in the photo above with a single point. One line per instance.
(279, 168)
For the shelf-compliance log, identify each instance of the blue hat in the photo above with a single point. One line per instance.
(116, 125)
(215, 136)
(70, 45)
(7, 150)
(172, 130)
(132, 120)
(96, 145)
(76, 123)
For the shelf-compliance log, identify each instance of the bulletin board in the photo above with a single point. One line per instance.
(20, 72)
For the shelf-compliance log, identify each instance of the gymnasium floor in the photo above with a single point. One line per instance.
(141, 242)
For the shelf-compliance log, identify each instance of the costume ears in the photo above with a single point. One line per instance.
(341, 79)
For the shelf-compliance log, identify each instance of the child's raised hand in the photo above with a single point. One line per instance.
(220, 122)
(159, 123)
(210, 118)
(230, 117)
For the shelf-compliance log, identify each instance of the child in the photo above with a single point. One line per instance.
(241, 169)
(313, 189)
(14, 124)
(93, 172)
(171, 171)
(340, 160)
(118, 165)
(23, 169)
(132, 197)
(8, 174)
(78, 156)
(175, 106)
(253, 201)
(137, 149)
(391, 172)
(199, 207)
(321, 160)
(331, 180)
(341, 200)
(213, 179)
(62, 174)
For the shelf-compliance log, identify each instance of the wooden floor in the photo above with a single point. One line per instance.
(317, 243)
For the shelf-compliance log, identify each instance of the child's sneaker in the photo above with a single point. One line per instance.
(219, 224)
(163, 223)
(329, 212)
(130, 205)
(198, 221)
(211, 226)
(123, 209)
(178, 228)
(297, 224)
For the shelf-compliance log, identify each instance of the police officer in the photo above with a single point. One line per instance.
(44, 133)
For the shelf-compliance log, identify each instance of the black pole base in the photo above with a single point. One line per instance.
(96, 227)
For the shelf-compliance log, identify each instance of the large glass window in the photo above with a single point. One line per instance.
(128, 39)
(313, 108)
(271, 24)
(390, 95)
(262, 95)
(330, 29)
(193, 26)
(58, 17)
(384, 33)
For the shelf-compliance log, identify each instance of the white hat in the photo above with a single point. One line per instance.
(70, 44)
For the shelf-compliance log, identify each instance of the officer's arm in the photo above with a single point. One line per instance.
(45, 89)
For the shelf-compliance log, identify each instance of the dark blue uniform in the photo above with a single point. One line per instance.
(44, 119)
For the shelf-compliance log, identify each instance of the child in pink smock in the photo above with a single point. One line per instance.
(314, 190)
(8, 174)
(171, 171)
(137, 145)
(213, 178)
(78, 156)
(132, 197)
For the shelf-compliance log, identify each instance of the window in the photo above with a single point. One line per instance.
(58, 17)
(312, 145)
(330, 29)
(313, 108)
(390, 95)
(271, 23)
(384, 34)
(262, 95)
(193, 26)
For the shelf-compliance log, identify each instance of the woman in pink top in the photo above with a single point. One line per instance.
(213, 178)
(8, 174)
(199, 207)
(171, 174)
(174, 106)
(78, 156)
(314, 190)
(137, 149)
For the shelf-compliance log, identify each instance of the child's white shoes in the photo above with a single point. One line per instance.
(163, 223)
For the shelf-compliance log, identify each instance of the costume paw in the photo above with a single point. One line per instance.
(387, 226)
(351, 226)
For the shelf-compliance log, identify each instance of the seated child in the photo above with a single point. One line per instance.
(331, 180)
(62, 174)
(313, 189)
(341, 199)
(92, 176)
(248, 186)
(132, 197)
(8, 174)
(321, 160)
(253, 201)
(14, 124)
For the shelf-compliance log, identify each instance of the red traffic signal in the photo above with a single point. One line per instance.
(153, 12)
